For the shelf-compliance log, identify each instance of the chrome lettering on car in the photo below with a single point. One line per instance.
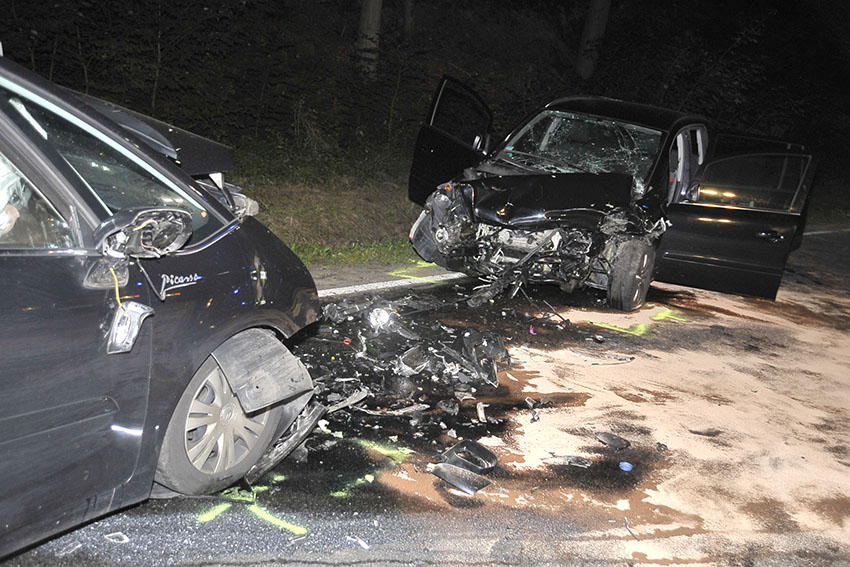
(170, 281)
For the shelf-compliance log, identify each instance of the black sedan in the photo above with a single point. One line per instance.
(143, 315)
(605, 194)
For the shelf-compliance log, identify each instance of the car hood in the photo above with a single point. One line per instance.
(195, 154)
(541, 201)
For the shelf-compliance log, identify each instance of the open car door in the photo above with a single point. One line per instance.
(734, 227)
(455, 136)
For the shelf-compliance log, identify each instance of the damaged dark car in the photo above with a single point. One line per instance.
(144, 310)
(605, 194)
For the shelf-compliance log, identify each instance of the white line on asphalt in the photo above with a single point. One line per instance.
(410, 282)
(377, 286)
(815, 233)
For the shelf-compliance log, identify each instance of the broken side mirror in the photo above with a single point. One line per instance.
(143, 233)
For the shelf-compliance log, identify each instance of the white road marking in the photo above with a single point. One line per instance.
(378, 286)
(815, 233)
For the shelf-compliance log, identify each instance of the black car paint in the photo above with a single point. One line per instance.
(546, 201)
(82, 429)
(195, 154)
(727, 249)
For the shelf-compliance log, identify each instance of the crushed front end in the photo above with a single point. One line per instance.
(513, 231)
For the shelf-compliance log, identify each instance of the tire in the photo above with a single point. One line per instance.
(631, 274)
(210, 442)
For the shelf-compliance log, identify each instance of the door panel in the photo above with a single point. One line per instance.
(71, 415)
(454, 137)
(732, 231)
(730, 250)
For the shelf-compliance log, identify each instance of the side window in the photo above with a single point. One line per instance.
(758, 181)
(461, 115)
(27, 219)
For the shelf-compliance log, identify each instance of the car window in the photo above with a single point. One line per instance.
(27, 219)
(565, 142)
(118, 179)
(761, 181)
(461, 115)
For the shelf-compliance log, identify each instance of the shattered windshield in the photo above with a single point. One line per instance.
(567, 142)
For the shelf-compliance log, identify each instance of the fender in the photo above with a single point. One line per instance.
(260, 369)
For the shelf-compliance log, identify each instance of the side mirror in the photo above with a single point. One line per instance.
(143, 233)
(693, 193)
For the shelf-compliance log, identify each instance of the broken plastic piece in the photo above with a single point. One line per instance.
(358, 541)
(471, 456)
(357, 396)
(479, 409)
(461, 478)
(570, 460)
(297, 432)
(613, 441)
(125, 327)
(626, 466)
(449, 405)
(117, 537)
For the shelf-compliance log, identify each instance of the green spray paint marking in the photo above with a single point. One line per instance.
(638, 329)
(668, 314)
(214, 513)
(250, 497)
(237, 495)
(275, 521)
(396, 455)
(407, 273)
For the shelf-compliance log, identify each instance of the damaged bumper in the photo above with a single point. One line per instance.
(572, 248)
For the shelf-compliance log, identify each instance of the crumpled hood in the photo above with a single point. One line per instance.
(540, 201)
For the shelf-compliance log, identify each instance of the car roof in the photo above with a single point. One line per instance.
(636, 113)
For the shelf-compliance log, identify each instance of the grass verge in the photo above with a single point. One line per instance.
(334, 210)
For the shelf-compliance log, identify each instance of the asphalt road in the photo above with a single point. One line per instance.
(739, 440)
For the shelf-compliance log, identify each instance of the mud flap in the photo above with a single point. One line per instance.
(260, 370)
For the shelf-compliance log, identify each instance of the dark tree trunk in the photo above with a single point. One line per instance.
(368, 36)
(594, 30)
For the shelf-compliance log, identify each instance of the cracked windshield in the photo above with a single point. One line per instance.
(564, 142)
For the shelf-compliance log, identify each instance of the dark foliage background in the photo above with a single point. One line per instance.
(278, 79)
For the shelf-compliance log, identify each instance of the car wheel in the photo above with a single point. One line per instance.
(211, 442)
(631, 274)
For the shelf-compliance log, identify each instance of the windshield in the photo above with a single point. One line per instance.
(117, 178)
(567, 142)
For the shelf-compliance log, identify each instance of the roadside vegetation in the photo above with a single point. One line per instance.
(324, 137)
(333, 209)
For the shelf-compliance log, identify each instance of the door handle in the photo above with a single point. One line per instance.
(771, 235)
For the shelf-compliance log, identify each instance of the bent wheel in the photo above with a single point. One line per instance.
(631, 274)
(210, 441)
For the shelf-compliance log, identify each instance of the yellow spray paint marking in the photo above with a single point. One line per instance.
(250, 497)
(668, 314)
(275, 521)
(396, 455)
(238, 495)
(407, 272)
(214, 512)
(638, 329)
